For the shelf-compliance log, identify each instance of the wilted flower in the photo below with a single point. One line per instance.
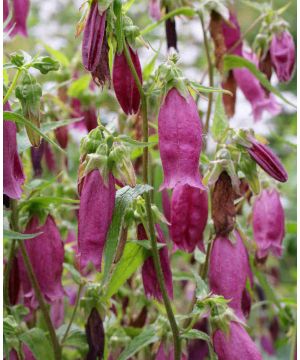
(150, 281)
(13, 176)
(154, 9)
(97, 201)
(282, 51)
(20, 10)
(180, 140)
(216, 32)
(46, 254)
(229, 100)
(189, 212)
(237, 345)
(125, 87)
(268, 223)
(266, 159)
(229, 270)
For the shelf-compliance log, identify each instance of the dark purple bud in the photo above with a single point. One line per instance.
(97, 201)
(198, 349)
(237, 345)
(171, 34)
(20, 10)
(62, 136)
(283, 55)
(150, 281)
(268, 223)
(232, 35)
(46, 253)
(49, 157)
(13, 176)
(228, 270)
(189, 212)
(154, 9)
(95, 336)
(90, 118)
(267, 344)
(57, 312)
(267, 160)
(180, 140)
(125, 87)
(36, 158)
(93, 35)
(246, 303)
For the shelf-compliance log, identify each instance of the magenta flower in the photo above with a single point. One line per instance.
(46, 253)
(166, 204)
(253, 91)
(180, 140)
(125, 87)
(13, 176)
(238, 345)
(267, 344)
(267, 160)
(228, 270)
(20, 10)
(26, 353)
(154, 9)
(232, 34)
(189, 212)
(268, 223)
(97, 201)
(282, 51)
(150, 281)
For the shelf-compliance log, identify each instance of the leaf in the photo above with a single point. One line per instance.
(8, 115)
(233, 62)
(45, 64)
(201, 287)
(9, 234)
(196, 334)
(146, 337)
(76, 336)
(38, 344)
(135, 143)
(46, 200)
(22, 138)
(58, 55)
(133, 257)
(124, 198)
(208, 89)
(79, 85)
(148, 68)
(220, 121)
(74, 273)
(291, 227)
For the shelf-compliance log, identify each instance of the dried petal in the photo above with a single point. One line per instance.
(189, 212)
(95, 336)
(97, 202)
(101, 74)
(268, 223)
(125, 87)
(216, 32)
(180, 140)
(229, 100)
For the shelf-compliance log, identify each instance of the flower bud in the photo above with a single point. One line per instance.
(268, 223)
(125, 87)
(46, 254)
(49, 157)
(171, 34)
(229, 270)
(189, 212)
(283, 56)
(95, 335)
(97, 201)
(237, 345)
(36, 158)
(150, 281)
(266, 159)
(180, 140)
(17, 24)
(154, 9)
(62, 136)
(13, 176)
(90, 118)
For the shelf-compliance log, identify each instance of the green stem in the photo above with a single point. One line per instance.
(155, 253)
(73, 314)
(210, 75)
(12, 86)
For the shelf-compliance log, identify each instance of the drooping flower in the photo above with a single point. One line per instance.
(189, 212)
(20, 10)
(125, 87)
(97, 201)
(232, 35)
(46, 254)
(180, 140)
(154, 9)
(266, 159)
(229, 270)
(282, 51)
(13, 176)
(237, 345)
(268, 223)
(253, 91)
(150, 281)
(171, 34)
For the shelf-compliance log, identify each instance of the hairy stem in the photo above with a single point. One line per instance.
(12, 86)
(155, 253)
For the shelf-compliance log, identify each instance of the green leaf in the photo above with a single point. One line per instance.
(8, 115)
(79, 85)
(208, 89)
(146, 337)
(22, 138)
(196, 334)
(45, 64)
(133, 257)
(124, 199)
(148, 68)
(38, 344)
(220, 121)
(291, 227)
(201, 287)
(58, 55)
(9, 234)
(233, 62)
(74, 273)
(46, 200)
(76, 336)
(135, 143)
